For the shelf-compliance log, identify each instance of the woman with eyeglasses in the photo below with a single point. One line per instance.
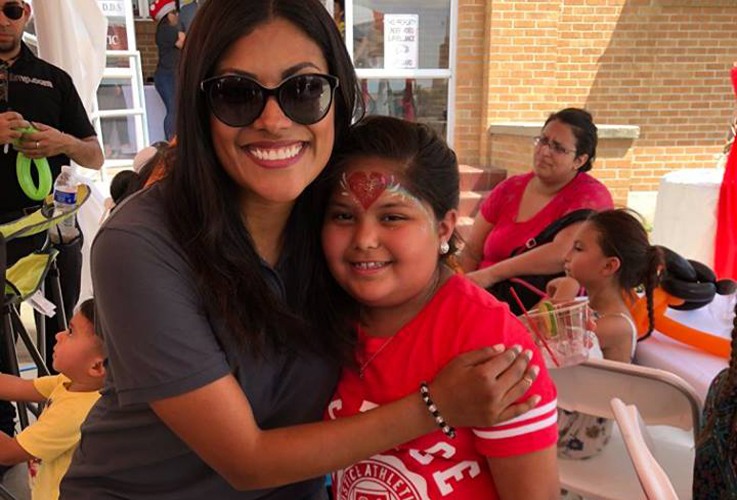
(218, 312)
(521, 207)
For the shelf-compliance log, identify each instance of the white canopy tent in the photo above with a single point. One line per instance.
(72, 34)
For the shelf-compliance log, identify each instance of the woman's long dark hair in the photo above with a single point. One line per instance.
(201, 199)
(727, 392)
(622, 235)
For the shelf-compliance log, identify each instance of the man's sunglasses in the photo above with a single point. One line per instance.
(238, 100)
(13, 11)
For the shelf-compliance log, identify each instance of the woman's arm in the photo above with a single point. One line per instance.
(181, 36)
(473, 249)
(14, 388)
(545, 259)
(532, 476)
(217, 422)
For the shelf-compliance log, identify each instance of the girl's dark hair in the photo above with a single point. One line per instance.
(429, 167)
(584, 130)
(202, 200)
(622, 235)
(87, 309)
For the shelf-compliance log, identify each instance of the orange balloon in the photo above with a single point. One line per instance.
(707, 342)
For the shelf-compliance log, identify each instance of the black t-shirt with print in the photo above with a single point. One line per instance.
(42, 93)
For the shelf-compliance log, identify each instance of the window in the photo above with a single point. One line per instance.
(404, 54)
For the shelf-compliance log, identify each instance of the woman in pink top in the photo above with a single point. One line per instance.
(522, 206)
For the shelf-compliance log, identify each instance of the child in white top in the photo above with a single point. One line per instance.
(611, 257)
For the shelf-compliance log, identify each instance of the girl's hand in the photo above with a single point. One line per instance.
(562, 289)
(479, 388)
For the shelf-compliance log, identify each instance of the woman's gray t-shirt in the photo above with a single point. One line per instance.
(161, 343)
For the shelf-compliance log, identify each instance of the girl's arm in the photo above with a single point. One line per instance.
(217, 422)
(545, 259)
(473, 249)
(615, 338)
(14, 388)
(532, 476)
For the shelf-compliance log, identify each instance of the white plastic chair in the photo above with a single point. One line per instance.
(654, 481)
(666, 402)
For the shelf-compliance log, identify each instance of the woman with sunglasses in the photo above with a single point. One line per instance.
(521, 207)
(220, 317)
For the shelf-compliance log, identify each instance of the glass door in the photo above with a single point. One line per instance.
(404, 54)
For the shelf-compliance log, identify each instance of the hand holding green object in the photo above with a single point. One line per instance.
(23, 172)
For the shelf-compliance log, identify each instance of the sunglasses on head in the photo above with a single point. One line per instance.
(238, 100)
(13, 11)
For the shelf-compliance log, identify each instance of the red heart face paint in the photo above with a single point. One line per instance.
(366, 187)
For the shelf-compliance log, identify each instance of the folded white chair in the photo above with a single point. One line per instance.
(668, 405)
(654, 481)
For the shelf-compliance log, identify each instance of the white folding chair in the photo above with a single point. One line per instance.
(654, 481)
(666, 402)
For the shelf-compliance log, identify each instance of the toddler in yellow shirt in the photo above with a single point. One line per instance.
(48, 443)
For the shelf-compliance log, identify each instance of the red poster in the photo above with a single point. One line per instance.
(117, 37)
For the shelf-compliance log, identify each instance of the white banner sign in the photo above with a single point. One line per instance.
(401, 44)
(112, 7)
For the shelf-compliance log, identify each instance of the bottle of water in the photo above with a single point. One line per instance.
(65, 200)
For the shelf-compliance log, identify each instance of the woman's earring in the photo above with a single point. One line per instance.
(444, 247)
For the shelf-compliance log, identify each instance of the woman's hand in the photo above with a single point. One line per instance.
(479, 388)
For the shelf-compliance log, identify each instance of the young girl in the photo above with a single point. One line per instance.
(610, 258)
(388, 230)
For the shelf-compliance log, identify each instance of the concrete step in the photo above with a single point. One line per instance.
(463, 227)
(470, 201)
(477, 179)
(475, 185)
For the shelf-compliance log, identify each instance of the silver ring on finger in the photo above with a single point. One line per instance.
(37, 144)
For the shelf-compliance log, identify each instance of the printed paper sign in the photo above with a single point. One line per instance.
(401, 34)
(112, 8)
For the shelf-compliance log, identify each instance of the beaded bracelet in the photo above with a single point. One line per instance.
(433, 409)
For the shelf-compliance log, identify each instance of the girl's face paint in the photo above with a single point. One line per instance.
(366, 187)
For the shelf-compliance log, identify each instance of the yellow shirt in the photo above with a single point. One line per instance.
(54, 437)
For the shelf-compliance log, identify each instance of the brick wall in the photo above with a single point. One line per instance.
(146, 44)
(662, 65)
(470, 81)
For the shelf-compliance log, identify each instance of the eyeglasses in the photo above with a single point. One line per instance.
(238, 100)
(13, 11)
(554, 146)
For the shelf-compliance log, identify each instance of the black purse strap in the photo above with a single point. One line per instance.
(548, 234)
